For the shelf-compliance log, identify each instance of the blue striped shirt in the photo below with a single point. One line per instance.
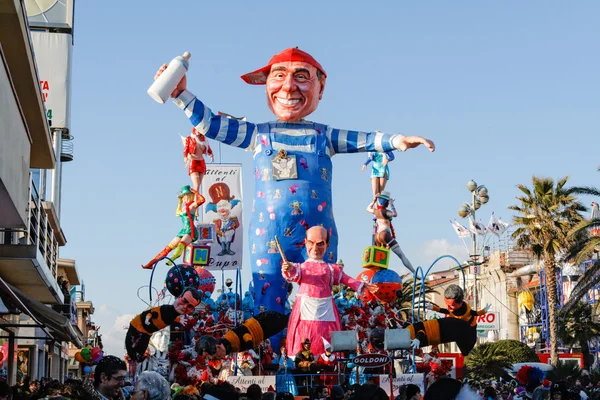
(289, 136)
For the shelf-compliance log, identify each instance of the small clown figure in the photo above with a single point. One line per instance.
(222, 202)
(295, 205)
(189, 201)
(195, 147)
(385, 235)
(324, 174)
(272, 247)
(265, 175)
(277, 194)
(313, 194)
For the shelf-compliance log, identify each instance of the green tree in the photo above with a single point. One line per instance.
(517, 352)
(487, 361)
(584, 248)
(577, 327)
(404, 300)
(546, 214)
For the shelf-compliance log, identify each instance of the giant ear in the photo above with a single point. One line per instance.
(322, 81)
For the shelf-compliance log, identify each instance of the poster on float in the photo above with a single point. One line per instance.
(222, 189)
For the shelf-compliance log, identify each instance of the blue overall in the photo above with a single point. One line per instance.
(275, 212)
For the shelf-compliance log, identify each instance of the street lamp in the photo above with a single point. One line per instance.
(479, 196)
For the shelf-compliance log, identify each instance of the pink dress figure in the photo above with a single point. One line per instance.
(314, 315)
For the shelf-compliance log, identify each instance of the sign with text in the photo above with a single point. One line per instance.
(488, 322)
(371, 360)
(222, 189)
(242, 382)
(53, 55)
(404, 379)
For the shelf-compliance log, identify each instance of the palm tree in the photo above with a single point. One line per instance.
(585, 246)
(545, 216)
(487, 361)
(404, 300)
(578, 327)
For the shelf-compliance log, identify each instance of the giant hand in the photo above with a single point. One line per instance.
(180, 86)
(403, 143)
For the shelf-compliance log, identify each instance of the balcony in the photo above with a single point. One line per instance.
(28, 256)
(17, 54)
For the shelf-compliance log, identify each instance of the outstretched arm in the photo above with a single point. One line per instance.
(345, 141)
(229, 131)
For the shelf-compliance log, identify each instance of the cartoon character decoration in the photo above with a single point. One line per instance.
(460, 327)
(180, 277)
(189, 201)
(142, 326)
(222, 202)
(380, 171)
(195, 147)
(295, 83)
(385, 235)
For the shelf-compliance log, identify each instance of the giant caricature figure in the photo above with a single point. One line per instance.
(295, 82)
(314, 315)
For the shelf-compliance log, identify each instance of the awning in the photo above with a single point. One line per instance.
(56, 325)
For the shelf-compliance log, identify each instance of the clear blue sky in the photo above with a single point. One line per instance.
(506, 90)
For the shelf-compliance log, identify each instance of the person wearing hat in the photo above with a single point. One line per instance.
(295, 83)
(385, 235)
(222, 202)
(189, 201)
(327, 364)
(305, 364)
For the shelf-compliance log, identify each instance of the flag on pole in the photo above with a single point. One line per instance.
(503, 226)
(476, 227)
(461, 231)
(494, 227)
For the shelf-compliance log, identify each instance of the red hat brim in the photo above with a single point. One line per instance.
(259, 77)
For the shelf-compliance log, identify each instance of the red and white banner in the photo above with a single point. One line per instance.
(222, 189)
(53, 54)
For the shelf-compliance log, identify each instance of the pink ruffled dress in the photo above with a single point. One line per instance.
(314, 315)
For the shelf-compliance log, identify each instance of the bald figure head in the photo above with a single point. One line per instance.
(317, 240)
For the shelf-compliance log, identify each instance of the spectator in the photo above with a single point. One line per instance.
(151, 386)
(109, 377)
(254, 392)
(5, 391)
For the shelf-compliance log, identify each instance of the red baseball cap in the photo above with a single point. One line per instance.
(259, 77)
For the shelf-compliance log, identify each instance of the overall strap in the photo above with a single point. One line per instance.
(264, 137)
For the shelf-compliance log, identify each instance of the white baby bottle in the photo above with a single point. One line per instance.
(162, 88)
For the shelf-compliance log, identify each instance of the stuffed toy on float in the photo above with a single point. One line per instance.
(292, 158)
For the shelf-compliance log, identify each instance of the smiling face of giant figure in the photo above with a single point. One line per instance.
(294, 90)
